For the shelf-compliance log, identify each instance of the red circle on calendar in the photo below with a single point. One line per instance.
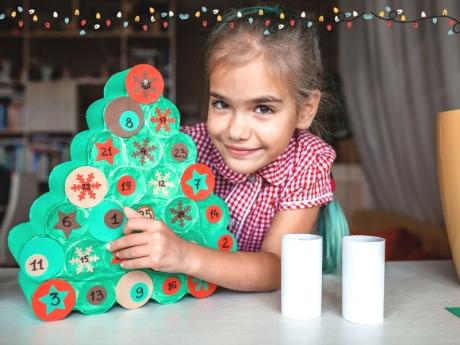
(144, 84)
(199, 288)
(225, 243)
(126, 185)
(171, 286)
(53, 300)
(213, 214)
(197, 181)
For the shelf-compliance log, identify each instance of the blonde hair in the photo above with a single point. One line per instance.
(292, 52)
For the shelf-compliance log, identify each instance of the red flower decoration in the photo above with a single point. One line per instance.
(144, 84)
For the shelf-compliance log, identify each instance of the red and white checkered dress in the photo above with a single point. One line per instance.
(299, 178)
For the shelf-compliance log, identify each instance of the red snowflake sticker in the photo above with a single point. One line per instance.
(162, 120)
(86, 186)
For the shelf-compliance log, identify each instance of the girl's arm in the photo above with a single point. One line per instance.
(159, 248)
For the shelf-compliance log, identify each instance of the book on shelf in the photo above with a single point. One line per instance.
(39, 157)
(12, 156)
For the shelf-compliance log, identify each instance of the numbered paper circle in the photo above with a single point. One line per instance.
(85, 259)
(126, 185)
(66, 221)
(53, 300)
(41, 258)
(198, 181)
(226, 243)
(36, 265)
(163, 117)
(169, 288)
(162, 182)
(134, 289)
(96, 297)
(223, 241)
(146, 211)
(106, 221)
(180, 214)
(214, 213)
(143, 151)
(124, 117)
(86, 186)
(106, 150)
(180, 149)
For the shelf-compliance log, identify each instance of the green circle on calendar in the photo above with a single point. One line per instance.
(41, 258)
(138, 292)
(96, 297)
(129, 121)
(106, 221)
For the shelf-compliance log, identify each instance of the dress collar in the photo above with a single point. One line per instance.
(274, 173)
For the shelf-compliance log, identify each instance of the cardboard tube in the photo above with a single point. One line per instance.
(301, 276)
(448, 150)
(363, 279)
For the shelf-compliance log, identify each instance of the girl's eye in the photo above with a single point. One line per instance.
(220, 105)
(263, 109)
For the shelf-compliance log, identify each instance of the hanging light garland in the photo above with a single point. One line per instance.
(152, 16)
(391, 16)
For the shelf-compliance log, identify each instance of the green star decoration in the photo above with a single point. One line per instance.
(201, 285)
(198, 182)
(54, 299)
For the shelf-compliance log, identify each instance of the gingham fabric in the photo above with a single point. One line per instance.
(299, 178)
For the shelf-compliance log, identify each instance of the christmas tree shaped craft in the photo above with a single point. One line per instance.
(133, 154)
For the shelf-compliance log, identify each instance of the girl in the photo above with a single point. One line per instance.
(264, 92)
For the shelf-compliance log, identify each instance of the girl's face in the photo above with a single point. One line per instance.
(251, 116)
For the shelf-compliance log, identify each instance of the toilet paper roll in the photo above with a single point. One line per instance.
(363, 278)
(301, 276)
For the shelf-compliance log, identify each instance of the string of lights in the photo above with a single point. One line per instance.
(146, 20)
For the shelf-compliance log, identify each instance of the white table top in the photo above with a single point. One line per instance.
(415, 297)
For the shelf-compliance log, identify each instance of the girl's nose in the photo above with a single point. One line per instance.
(238, 127)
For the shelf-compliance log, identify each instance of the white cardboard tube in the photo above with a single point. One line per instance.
(363, 279)
(301, 276)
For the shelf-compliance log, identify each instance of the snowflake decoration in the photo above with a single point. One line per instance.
(163, 120)
(86, 186)
(144, 151)
(161, 184)
(84, 259)
(145, 83)
(180, 214)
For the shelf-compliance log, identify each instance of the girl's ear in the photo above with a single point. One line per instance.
(308, 110)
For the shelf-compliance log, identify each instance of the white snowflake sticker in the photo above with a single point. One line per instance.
(162, 185)
(83, 260)
(86, 186)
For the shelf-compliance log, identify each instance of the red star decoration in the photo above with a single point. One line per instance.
(116, 260)
(163, 119)
(106, 151)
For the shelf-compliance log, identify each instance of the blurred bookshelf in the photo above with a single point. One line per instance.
(48, 78)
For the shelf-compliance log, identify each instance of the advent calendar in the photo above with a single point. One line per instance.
(133, 154)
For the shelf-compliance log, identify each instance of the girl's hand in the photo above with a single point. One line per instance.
(149, 243)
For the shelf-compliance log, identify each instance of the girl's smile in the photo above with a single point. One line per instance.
(240, 152)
